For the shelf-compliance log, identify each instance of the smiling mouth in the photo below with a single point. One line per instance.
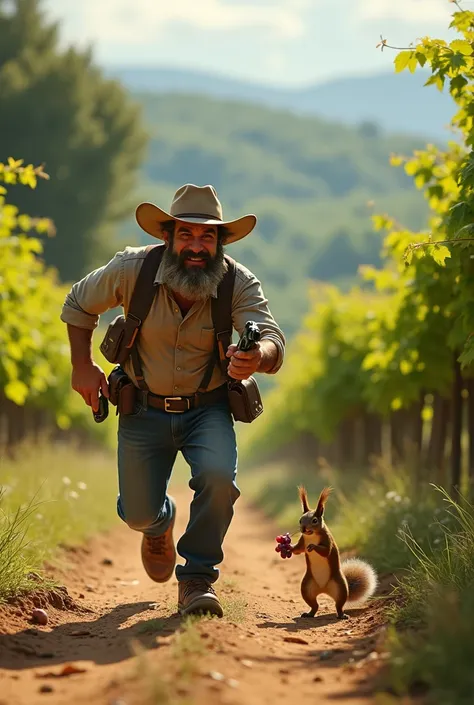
(196, 261)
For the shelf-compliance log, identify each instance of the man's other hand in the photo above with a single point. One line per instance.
(87, 379)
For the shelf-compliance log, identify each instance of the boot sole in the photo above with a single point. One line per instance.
(167, 577)
(202, 605)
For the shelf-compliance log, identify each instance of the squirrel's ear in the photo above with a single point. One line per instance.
(304, 498)
(323, 498)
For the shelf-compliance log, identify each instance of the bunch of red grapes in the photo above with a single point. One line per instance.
(284, 547)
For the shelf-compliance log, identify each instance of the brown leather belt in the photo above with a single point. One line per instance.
(178, 405)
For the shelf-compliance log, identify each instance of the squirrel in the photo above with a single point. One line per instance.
(352, 582)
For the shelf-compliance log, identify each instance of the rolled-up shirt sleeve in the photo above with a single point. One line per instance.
(249, 304)
(95, 294)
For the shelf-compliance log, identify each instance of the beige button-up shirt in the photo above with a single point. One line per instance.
(174, 350)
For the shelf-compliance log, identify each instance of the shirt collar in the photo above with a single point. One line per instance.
(159, 278)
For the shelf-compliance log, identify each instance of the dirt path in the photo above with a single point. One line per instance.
(261, 652)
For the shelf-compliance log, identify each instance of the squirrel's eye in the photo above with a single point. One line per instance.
(315, 520)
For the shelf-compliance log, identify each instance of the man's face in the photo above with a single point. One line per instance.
(195, 244)
(193, 263)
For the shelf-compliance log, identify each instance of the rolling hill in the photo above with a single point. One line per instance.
(312, 183)
(395, 103)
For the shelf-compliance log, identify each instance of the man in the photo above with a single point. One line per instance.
(175, 345)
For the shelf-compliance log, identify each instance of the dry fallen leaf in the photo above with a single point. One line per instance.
(295, 640)
(68, 670)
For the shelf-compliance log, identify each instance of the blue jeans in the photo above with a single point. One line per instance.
(148, 443)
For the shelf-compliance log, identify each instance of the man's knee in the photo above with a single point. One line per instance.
(217, 481)
(139, 521)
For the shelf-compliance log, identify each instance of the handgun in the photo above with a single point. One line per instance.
(103, 410)
(250, 336)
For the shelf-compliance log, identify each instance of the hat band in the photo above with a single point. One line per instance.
(198, 215)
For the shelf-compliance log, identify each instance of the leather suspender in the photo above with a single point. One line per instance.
(142, 298)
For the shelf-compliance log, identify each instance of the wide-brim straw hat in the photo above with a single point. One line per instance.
(193, 204)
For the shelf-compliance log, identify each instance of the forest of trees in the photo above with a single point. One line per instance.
(59, 110)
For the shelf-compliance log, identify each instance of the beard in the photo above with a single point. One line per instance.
(193, 283)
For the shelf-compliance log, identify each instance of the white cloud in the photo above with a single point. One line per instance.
(409, 11)
(143, 21)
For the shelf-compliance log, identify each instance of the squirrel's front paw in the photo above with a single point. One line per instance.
(311, 547)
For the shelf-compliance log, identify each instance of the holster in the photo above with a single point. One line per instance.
(122, 391)
(245, 400)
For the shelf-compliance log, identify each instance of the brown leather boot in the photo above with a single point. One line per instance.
(159, 553)
(197, 596)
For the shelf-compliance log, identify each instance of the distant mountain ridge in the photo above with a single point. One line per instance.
(396, 103)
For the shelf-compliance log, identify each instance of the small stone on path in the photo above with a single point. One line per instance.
(40, 616)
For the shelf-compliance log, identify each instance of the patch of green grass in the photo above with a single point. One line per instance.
(188, 644)
(159, 689)
(51, 495)
(16, 555)
(235, 608)
(438, 598)
(151, 626)
(386, 506)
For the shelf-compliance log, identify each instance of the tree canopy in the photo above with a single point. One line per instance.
(59, 110)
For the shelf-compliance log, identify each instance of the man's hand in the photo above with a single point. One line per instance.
(87, 379)
(244, 364)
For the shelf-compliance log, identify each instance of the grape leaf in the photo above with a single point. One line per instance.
(440, 253)
(461, 46)
(402, 60)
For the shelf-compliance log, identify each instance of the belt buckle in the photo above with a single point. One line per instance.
(168, 400)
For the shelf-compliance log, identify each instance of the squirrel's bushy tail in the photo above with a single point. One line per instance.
(361, 578)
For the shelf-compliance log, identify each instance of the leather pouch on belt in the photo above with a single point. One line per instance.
(244, 400)
(127, 398)
(116, 379)
(122, 391)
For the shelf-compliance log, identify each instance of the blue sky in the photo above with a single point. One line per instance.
(273, 41)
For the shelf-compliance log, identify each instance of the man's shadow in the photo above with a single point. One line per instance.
(105, 640)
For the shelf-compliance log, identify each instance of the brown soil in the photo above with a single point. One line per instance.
(121, 631)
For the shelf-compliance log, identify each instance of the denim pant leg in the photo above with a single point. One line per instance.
(208, 444)
(146, 454)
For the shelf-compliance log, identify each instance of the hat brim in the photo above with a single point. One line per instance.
(150, 218)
